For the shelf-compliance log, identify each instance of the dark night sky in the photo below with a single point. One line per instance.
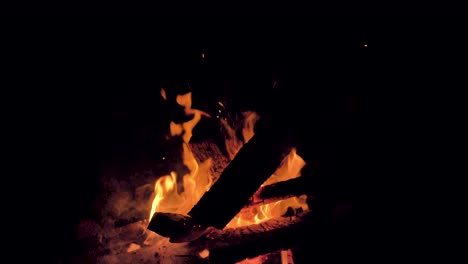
(80, 77)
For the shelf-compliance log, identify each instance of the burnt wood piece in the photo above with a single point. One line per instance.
(255, 162)
(279, 191)
(235, 244)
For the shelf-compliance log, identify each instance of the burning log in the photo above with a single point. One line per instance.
(235, 244)
(254, 164)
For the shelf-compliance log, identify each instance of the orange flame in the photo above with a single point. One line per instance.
(250, 118)
(290, 168)
(168, 198)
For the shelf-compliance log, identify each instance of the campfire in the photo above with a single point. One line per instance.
(220, 207)
(258, 161)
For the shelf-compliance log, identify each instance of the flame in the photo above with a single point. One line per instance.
(262, 213)
(168, 196)
(171, 200)
(289, 168)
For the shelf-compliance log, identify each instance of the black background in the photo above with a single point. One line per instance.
(79, 77)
